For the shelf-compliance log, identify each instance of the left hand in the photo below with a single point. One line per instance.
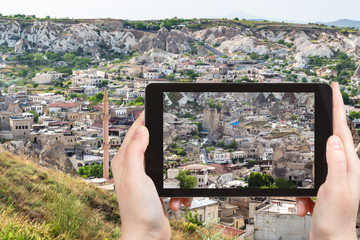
(142, 212)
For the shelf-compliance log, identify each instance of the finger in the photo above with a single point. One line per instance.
(139, 122)
(129, 135)
(187, 202)
(311, 205)
(341, 128)
(336, 162)
(133, 159)
(175, 203)
(303, 206)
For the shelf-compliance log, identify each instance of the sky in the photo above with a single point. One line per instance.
(292, 10)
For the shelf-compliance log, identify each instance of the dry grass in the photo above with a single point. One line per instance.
(38, 203)
(52, 204)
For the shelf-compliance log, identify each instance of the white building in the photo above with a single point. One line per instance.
(47, 78)
(37, 108)
(87, 79)
(239, 154)
(279, 220)
(206, 208)
(90, 90)
(46, 97)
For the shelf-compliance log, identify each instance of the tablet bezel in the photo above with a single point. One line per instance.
(154, 123)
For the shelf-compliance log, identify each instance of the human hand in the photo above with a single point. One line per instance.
(335, 211)
(142, 212)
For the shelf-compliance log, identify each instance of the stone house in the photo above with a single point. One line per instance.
(192, 151)
(20, 128)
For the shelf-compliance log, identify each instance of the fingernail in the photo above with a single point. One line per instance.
(139, 132)
(300, 206)
(187, 202)
(334, 142)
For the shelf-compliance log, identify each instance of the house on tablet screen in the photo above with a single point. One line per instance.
(192, 150)
(200, 172)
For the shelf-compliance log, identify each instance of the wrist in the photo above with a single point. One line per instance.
(350, 235)
(136, 233)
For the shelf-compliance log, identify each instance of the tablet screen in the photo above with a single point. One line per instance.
(215, 140)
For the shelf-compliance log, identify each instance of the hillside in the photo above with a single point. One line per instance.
(38, 203)
(345, 23)
(101, 37)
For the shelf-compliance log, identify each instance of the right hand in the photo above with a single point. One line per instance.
(337, 203)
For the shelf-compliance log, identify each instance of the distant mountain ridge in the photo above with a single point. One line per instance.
(344, 23)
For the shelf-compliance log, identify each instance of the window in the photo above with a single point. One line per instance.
(26, 127)
(17, 127)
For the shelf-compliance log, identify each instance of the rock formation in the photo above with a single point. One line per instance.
(54, 156)
(68, 35)
(292, 159)
(211, 121)
(21, 148)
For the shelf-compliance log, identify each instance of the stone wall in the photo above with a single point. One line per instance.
(274, 226)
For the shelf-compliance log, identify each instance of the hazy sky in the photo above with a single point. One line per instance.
(298, 10)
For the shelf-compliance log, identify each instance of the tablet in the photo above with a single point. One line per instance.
(243, 139)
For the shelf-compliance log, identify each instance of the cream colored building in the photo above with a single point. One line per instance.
(20, 128)
(206, 208)
(46, 97)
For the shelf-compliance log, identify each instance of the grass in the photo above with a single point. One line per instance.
(38, 203)
(256, 124)
(282, 134)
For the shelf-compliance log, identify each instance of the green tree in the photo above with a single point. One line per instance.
(186, 180)
(268, 180)
(35, 85)
(139, 25)
(119, 102)
(23, 72)
(283, 183)
(345, 97)
(293, 117)
(354, 115)
(251, 163)
(193, 218)
(281, 41)
(199, 125)
(69, 57)
(221, 144)
(232, 145)
(254, 56)
(36, 115)
(97, 98)
(256, 180)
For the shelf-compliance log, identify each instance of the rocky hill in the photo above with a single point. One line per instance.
(230, 37)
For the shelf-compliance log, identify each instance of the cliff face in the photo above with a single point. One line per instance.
(54, 156)
(67, 36)
(292, 160)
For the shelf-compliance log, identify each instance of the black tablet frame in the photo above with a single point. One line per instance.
(154, 123)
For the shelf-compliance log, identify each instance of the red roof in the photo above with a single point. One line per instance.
(219, 169)
(231, 231)
(64, 105)
(98, 125)
(210, 57)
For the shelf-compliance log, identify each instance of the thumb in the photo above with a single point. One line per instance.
(134, 152)
(336, 161)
